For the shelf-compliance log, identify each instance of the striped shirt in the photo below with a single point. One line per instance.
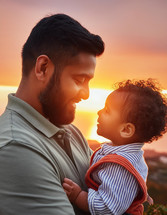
(118, 187)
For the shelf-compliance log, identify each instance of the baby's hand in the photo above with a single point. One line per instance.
(150, 200)
(72, 189)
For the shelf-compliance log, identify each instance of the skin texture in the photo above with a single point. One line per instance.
(110, 122)
(109, 119)
(75, 194)
(56, 100)
(59, 101)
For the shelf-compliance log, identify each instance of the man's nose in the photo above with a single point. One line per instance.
(84, 92)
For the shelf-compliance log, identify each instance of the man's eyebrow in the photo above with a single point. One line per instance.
(84, 75)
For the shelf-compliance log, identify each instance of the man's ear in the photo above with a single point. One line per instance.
(43, 68)
(127, 130)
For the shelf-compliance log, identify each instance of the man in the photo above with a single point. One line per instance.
(38, 145)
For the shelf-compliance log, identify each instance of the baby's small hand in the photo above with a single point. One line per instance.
(72, 189)
(150, 200)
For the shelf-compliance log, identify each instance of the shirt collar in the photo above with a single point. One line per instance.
(33, 116)
(108, 148)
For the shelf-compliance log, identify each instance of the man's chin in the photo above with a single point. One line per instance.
(63, 121)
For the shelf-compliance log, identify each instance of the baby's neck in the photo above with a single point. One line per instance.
(123, 142)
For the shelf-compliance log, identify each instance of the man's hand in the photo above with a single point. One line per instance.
(72, 189)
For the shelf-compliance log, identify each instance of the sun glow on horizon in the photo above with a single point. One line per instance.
(4, 91)
(96, 100)
(89, 107)
(164, 91)
(8, 89)
(94, 136)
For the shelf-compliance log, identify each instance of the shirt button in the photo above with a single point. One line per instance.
(59, 136)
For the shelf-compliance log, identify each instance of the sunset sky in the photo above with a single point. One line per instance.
(134, 32)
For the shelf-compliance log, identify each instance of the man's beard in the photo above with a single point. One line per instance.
(53, 106)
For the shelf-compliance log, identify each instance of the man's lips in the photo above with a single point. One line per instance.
(77, 101)
(74, 102)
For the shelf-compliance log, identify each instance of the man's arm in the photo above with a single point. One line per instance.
(29, 183)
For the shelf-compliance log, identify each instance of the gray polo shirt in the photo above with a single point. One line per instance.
(33, 164)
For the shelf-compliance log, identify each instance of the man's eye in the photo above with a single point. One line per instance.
(80, 80)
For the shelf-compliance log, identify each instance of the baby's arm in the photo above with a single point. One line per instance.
(75, 194)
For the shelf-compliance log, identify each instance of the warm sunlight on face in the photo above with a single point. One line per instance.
(95, 102)
(86, 116)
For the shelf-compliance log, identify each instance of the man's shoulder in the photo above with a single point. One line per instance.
(14, 128)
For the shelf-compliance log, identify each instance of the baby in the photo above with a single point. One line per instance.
(134, 114)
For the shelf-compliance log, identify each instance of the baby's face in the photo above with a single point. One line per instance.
(109, 120)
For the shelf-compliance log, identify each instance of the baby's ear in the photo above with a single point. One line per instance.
(127, 130)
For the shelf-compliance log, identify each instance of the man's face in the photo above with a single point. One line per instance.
(59, 100)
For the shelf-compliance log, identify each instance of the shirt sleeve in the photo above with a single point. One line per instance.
(116, 193)
(29, 183)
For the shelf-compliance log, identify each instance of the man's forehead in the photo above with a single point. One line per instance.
(83, 65)
(83, 59)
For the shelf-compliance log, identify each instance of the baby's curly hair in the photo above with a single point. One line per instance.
(146, 107)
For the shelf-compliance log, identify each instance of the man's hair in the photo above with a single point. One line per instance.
(60, 37)
(145, 106)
